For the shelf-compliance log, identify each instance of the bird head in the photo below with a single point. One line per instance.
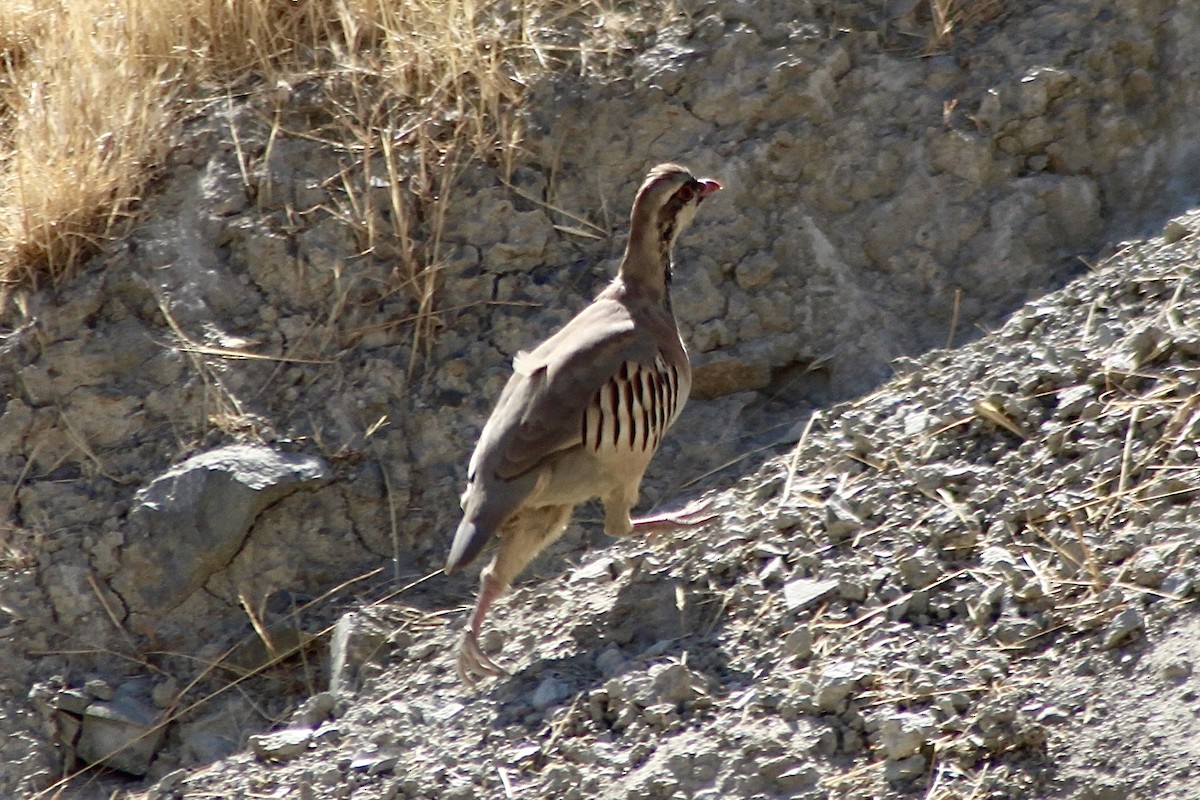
(665, 205)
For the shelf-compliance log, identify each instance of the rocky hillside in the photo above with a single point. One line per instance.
(975, 581)
(236, 441)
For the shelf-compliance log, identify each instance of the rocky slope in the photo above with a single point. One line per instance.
(975, 581)
(972, 579)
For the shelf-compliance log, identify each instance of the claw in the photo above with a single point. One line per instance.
(473, 663)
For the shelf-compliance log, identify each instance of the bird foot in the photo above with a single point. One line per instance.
(473, 663)
(694, 513)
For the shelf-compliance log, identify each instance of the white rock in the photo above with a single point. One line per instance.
(903, 735)
(803, 592)
(549, 692)
(281, 745)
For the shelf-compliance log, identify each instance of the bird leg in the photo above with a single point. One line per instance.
(520, 539)
(472, 662)
(617, 521)
(693, 514)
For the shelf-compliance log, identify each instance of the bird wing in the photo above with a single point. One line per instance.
(540, 414)
(541, 410)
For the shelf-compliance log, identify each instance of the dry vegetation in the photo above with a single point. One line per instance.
(90, 90)
(949, 17)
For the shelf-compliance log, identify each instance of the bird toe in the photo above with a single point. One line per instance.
(474, 664)
(698, 512)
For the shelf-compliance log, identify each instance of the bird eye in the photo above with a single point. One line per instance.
(686, 192)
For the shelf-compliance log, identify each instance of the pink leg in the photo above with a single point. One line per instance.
(694, 513)
(521, 538)
(473, 663)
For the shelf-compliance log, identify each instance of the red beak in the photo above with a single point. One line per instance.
(708, 186)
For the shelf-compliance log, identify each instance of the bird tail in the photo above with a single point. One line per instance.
(468, 543)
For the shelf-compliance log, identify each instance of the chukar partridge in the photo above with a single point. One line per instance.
(583, 413)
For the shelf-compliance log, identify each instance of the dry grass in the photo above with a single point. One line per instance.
(948, 17)
(90, 89)
(82, 115)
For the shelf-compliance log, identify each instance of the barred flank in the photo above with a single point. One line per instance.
(633, 409)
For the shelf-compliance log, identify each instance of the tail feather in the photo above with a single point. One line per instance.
(487, 506)
(469, 540)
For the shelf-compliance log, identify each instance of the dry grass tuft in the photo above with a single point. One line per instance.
(89, 91)
(83, 118)
(948, 17)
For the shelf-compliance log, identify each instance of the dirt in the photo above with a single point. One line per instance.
(943, 317)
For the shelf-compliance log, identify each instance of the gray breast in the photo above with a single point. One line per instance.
(632, 411)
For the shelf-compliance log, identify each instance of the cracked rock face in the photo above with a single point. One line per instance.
(193, 520)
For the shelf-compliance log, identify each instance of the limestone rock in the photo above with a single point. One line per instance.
(122, 733)
(281, 745)
(357, 641)
(191, 521)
